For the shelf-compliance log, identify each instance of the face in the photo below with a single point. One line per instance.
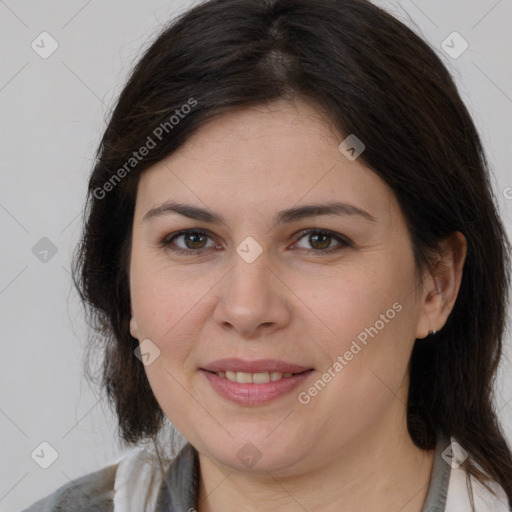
(258, 279)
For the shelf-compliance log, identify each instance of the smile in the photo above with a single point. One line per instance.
(253, 378)
(253, 389)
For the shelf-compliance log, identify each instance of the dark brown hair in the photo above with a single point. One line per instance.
(375, 78)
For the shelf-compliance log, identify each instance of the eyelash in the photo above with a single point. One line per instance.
(166, 241)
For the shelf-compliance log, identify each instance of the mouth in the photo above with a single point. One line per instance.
(255, 378)
(252, 383)
(235, 365)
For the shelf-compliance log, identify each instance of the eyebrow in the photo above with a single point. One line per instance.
(286, 216)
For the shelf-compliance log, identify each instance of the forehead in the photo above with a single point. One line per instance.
(281, 153)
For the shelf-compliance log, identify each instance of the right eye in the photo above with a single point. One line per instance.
(193, 240)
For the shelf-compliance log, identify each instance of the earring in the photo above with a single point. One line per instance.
(433, 333)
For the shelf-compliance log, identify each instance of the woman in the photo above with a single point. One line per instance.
(292, 253)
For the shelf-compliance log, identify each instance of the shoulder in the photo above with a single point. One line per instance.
(131, 483)
(93, 491)
(465, 492)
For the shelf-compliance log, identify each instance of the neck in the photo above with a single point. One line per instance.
(380, 472)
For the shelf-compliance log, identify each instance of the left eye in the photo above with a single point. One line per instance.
(322, 240)
(195, 241)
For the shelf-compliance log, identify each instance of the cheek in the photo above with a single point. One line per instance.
(166, 311)
(366, 330)
(170, 309)
(158, 296)
(154, 301)
(352, 303)
(365, 360)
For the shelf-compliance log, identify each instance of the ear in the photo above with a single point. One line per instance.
(134, 328)
(441, 287)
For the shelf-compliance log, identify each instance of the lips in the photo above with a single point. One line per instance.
(252, 393)
(260, 366)
(254, 382)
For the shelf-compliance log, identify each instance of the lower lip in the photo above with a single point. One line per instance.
(254, 394)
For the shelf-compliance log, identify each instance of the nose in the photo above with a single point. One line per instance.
(253, 300)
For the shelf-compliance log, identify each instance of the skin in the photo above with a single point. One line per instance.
(348, 448)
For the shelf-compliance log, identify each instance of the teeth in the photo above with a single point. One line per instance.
(260, 378)
(253, 378)
(243, 378)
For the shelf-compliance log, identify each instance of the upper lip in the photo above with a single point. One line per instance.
(261, 365)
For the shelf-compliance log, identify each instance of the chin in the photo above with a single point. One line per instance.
(256, 456)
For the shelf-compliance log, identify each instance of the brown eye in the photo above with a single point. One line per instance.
(192, 241)
(195, 240)
(321, 240)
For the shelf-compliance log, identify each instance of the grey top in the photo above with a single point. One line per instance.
(94, 492)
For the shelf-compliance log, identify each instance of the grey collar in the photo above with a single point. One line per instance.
(178, 491)
(439, 480)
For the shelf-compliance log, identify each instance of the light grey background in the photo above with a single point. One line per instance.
(53, 113)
